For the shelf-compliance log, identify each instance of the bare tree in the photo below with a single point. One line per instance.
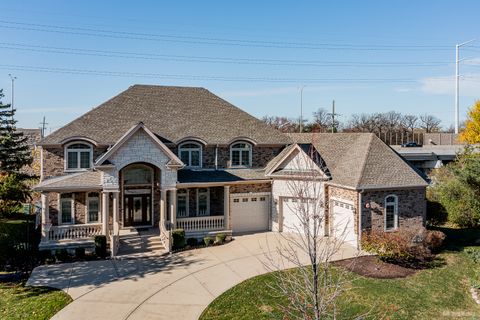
(429, 123)
(281, 123)
(410, 122)
(313, 288)
(322, 120)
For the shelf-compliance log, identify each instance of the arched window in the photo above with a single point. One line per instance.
(137, 175)
(391, 212)
(79, 156)
(241, 154)
(191, 154)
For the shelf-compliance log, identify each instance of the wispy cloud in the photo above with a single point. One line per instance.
(403, 89)
(469, 85)
(472, 62)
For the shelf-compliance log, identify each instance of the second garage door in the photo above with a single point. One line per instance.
(291, 210)
(249, 213)
(344, 221)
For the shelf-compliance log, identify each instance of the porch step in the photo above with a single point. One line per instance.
(136, 244)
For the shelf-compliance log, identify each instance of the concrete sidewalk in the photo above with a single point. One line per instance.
(177, 286)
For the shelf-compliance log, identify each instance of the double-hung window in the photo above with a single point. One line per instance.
(191, 154)
(66, 208)
(391, 212)
(78, 156)
(203, 201)
(93, 207)
(241, 154)
(182, 203)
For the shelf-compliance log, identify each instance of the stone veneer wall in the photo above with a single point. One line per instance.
(341, 193)
(411, 208)
(254, 187)
(53, 160)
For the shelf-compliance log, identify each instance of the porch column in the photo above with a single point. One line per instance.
(173, 207)
(45, 214)
(163, 203)
(105, 213)
(226, 207)
(115, 212)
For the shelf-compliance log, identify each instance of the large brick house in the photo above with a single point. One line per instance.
(161, 157)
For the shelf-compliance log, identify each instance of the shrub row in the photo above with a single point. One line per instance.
(410, 248)
(179, 240)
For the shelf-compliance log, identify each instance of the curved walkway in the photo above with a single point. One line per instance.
(178, 286)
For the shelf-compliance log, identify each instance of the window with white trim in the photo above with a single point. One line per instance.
(391, 212)
(93, 207)
(191, 154)
(66, 208)
(182, 203)
(78, 156)
(203, 201)
(241, 154)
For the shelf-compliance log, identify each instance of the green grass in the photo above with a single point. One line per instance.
(437, 293)
(20, 302)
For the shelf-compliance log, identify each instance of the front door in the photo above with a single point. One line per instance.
(137, 210)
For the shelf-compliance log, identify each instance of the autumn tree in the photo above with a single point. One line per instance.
(471, 133)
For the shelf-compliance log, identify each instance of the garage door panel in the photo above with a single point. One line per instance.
(250, 213)
(292, 214)
(344, 221)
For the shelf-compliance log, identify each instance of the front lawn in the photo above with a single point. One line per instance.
(20, 302)
(438, 293)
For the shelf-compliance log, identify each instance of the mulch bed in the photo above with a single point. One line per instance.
(372, 267)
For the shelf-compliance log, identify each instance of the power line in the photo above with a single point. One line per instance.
(207, 59)
(210, 40)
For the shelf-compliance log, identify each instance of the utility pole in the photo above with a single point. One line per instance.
(333, 114)
(457, 83)
(301, 108)
(43, 124)
(12, 78)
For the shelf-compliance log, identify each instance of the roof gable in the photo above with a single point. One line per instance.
(174, 160)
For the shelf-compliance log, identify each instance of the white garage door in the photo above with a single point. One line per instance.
(250, 212)
(292, 209)
(344, 221)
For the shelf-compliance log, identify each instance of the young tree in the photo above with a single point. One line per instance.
(14, 155)
(314, 286)
(471, 133)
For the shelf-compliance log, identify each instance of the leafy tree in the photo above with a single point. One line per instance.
(14, 156)
(457, 188)
(471, 133)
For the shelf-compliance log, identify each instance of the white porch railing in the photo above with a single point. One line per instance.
(71, 232)
(201, 223)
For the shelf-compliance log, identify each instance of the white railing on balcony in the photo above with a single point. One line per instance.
(72, 232)
(201, 223)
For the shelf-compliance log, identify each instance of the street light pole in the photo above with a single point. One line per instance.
(12, 78)
(457, 83)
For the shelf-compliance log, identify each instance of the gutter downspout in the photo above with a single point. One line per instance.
(360, 212)
(216, 157)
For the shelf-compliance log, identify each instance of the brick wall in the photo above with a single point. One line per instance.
(411, 208)
(256, 187)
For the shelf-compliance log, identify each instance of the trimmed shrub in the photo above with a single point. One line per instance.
(80, 253)
(402, 247)
(178, 236)
(101, 246)
(61, 255)
(434, 239)
(220, 238)
(192, 242)
(208, 241)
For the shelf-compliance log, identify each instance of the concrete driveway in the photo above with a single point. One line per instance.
(177, 286)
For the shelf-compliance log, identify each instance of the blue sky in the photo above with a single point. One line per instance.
(370, 56)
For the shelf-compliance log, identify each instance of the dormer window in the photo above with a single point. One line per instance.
(78, 156)
(241, 154)
(191, 154)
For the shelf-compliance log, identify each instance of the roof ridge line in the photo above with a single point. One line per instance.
(364, 162)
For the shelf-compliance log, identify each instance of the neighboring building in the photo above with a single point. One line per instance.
(174, 157)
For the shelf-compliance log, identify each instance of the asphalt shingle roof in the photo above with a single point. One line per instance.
(73, 181)
(361, 160)
(172, 113)
(231, 175)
